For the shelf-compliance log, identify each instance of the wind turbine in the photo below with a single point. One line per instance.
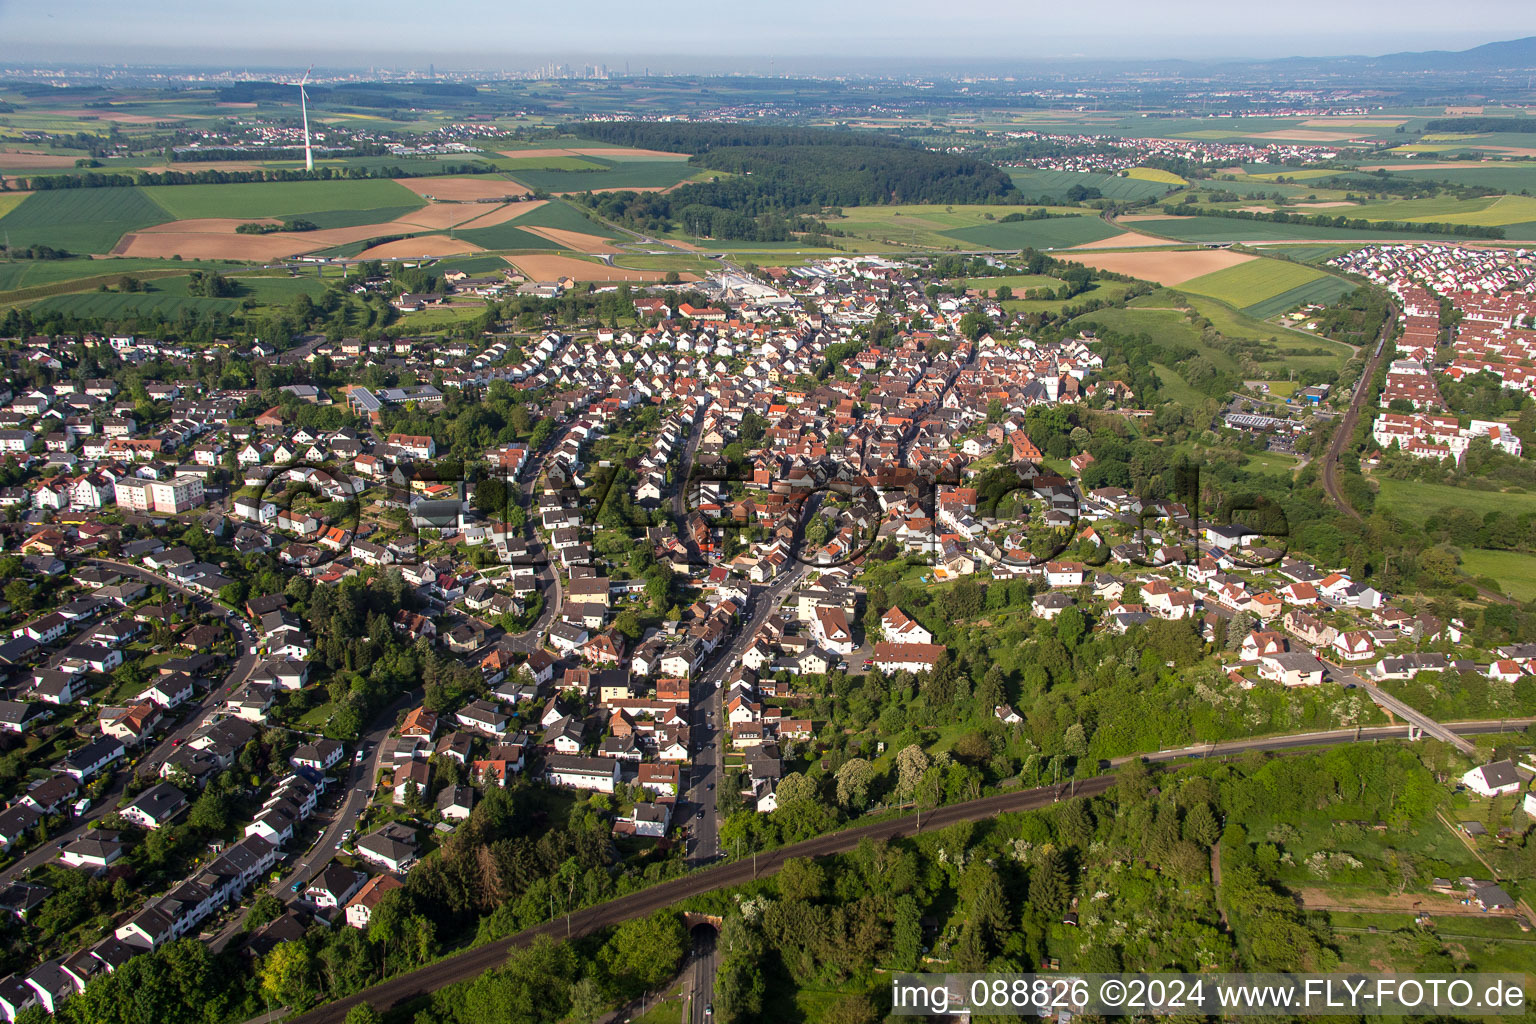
(309, 156)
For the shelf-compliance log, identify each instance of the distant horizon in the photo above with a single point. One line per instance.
(897, 37)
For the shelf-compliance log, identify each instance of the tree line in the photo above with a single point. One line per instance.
(1323, 220)
(210, 176)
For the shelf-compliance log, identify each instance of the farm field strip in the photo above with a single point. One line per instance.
(1253, 282)
(1325, 289)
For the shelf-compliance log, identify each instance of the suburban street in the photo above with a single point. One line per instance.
(239, 671)
(701, 975)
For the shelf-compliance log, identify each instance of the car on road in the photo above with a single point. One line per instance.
(296, 886)
(709, 1011)
(700, 814)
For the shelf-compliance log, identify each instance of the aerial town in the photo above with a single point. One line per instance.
(580, 540)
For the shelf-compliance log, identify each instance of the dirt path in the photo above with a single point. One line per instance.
(1435, 904)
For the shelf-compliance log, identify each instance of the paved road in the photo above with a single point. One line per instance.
(473, 962)
(239, 671)
(705, 966)
(357, 780)
(708, 708)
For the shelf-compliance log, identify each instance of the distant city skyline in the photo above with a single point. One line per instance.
(799, 35)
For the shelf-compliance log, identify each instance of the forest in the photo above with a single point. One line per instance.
(774, 176)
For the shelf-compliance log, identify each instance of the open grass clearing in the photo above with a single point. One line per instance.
(1272, 463)
(1516, 572)
(1420, 499)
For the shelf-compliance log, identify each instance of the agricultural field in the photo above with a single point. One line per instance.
(1515, 572)
(320, 201)
(1512, 177)
(1253, 186)
(619, 172)
(967, 227)
(506, 235)
(1231, 229)
(168, 296)
(1164, 266)
(1308, 253)
(84, 220)
(1054, 185)
(1323, 290)
(562, 216)
(34, 273)
(550, 163)
(1252, 282)
(1154, 174)
(1055, 233)
(1264, 288)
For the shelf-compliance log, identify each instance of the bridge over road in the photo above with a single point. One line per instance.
(1417, 719)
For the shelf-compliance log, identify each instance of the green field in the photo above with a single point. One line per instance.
(564, 216)
(83, 220)
(1252, 282)
(1325, 290)
(1296, 350)
(1309, 253)
(1055, 233)
(168, 296)
(1020, 283)
(1515, 572)
(612, 175)
(1108, 291)
(1171, 327)
(310, 199)
(1234, 229)
(965, 226)
(505, 236)
(550, 163)
(1155, 174)
(31, 273)
(1175, 388)
(1273, 463)
(1487, 211)
(1252, 187)
(477, 265)
(1421, 500)
(1054, 185)
(1510, 176)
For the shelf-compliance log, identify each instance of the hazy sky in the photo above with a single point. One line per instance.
(517, 33)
